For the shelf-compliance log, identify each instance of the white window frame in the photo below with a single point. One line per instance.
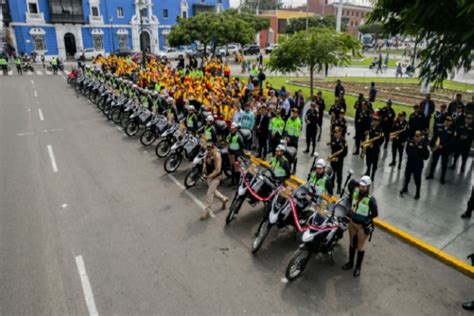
(95, 40)
(122, 39)
(120, 9)
(167, 14)
(34, 2)
(98, 10)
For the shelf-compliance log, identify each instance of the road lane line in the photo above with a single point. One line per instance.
(187, 192)
(40, 113)
(53, 161)
(25, 134)
(32, 82)
(119, 128)
(39, 73)
(36, 94)
(86, 287)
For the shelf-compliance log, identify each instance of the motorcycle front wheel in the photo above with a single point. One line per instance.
(191, 178)
(163, 148)
(132, 128)
(234, 208)
(172, 163)
(297, 263)
(148, 137)
(261, 234)
(124, 120)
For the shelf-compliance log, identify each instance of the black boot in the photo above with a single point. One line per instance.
(400, 165)
(469, 306)
(373, 175)
(350, 264)
(403, 191)
(430, 176)
(306, 150)
(393, 163)
(443, 174)
(417, 195)
(360, 258)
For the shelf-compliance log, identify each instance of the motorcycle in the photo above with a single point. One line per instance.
(195, 175)
(257, 184)
(153, 130)
(323, 232)
(25, 66)
(138, 120)
(117, 109)
(187, 147)
(168, 138)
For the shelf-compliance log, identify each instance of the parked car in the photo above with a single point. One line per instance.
(251, 50)
(89, 53)
(228, 51)
(123, 52)
(270, 48)
(172, 53)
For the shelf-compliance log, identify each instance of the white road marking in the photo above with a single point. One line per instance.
(29, 73)
(32, 82)
(63, 76)
(86, 287)
(64, 205)
(119, 128)
(25, 134)
(10, 73)
(39, 73)
(40, 113)
(53, 160)
(67, 72)
(29, 110)
(48, 72)
(36, 94)
(187, 192)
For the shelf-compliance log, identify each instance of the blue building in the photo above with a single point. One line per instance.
(63, 27)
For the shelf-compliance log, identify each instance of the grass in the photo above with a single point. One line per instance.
(328, 96)
(392, 63)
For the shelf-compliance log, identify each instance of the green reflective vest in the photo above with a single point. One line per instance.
(54, 61)
(361, 209)
(277, 168)
(233, 141)
(277, 125)
(190, 121)
(208, 133)
(319, 184)
(18, 61)
(293, 127)
(3, 62)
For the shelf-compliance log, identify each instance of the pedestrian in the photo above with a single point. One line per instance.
(338, 153)
(338, 89)
(339, 122)
(458, 116)
(299, 101)
(236, 147)
(399, 71)
(387, 115)
(363, 210)
(262, 124)
(442, 146)
(464, 137)
(43, 62)
(247, 122)
(372, 92)
(453, 105)
(363, 121)
(210, 133)
(213, 169)
(237, 113)
(18, 65)
(311, 119)
(379, 64)
(417, 153)
(427, 107)
(469, 109)
(280, 165)
(470, 207)
(293, 128)
(375, 138)
(321, 106)
(399, 136)
(261, 78)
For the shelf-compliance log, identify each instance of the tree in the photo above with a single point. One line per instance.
(446, 27)
(262, 5)
(299, 24)
(313, 49)
(257, 23)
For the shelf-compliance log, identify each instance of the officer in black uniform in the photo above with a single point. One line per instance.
(442, 146)
(341, 123)
(363, 121)
(387, 115)
(311, 119)
(416, 121)
(417, 152)
(439, 118)
(464, 137)
(470, 208)
(373, 151)
(338, 153)
(398, 142)
(321, 106)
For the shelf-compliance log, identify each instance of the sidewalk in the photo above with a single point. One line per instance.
(434, 218)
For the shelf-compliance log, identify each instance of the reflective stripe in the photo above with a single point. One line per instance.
(319, 184)
(190, 121)
(277, 169)
(363, 207)
(234, 142)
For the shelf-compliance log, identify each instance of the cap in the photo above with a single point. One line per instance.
(365, 181)
(320, 163)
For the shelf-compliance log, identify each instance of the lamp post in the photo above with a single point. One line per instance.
(141, 6)
(111, 19)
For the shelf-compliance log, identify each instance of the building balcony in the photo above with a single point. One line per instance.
(96, 19)
(33, 18)
(67, 18)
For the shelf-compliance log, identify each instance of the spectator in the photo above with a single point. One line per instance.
(372, 92)
(338, 89)
(427, 107)
(453, 105)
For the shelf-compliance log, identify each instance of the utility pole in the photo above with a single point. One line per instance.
(141, 6)
(307, 15)
(339, 16)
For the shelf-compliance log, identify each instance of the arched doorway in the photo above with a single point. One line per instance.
(145, 43)
(70, 44)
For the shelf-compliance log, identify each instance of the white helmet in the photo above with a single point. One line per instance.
(234, 125)
(209, 119)
(365, 181)
(191, 108)
(320, 163)
(281, 147)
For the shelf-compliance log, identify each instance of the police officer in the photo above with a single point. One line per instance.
(417, 152)
(338, 153)
(191, 120)
(209, 130)
(236, 147)
(321, 106)
(18, 65)
(442, 148)
(363, 210)
(398, 143)
(277, 127)
(373, 151)
(387, 115)
(470, 206)
(4, 64)
(319, 179)
(363, 121)
(439, 118)
(293, 128)
(416, 122)
(341, 123)
(54, 65)
(311, 119)
(464, 137)
(280, 165)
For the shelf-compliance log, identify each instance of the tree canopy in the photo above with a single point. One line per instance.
(446, 27)
(299, 24)
(262, 5)
(313, 49)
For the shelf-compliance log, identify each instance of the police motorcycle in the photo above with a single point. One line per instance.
(290, 209)
(257, 184)
(167, 139)
(186, 147)
(140, 117)
(153, 129)
(27, 66)
(324, 229)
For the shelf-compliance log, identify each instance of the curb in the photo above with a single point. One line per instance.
(434, 252)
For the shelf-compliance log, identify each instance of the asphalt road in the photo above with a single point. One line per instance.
(104, 229)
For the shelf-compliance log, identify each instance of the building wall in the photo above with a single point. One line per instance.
(157, 25)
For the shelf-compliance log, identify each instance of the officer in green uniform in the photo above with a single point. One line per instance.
(18, 65)
(364, 209)
(4, 64)
(54, 65)
(277, 127)
(236, 146)
(293, 128)
(191, 120)
(210, 131)
(280, 165)
(319, 179)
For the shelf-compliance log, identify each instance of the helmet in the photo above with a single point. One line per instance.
(134, 86)
(320, 163)
(170, 100)
(155, 93)
(365, 181)
(191, 108)
(209, 119)
(146, 91)
(281, 147)
(234, 125)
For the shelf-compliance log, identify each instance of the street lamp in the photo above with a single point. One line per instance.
(111, 19)
(141, 6)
